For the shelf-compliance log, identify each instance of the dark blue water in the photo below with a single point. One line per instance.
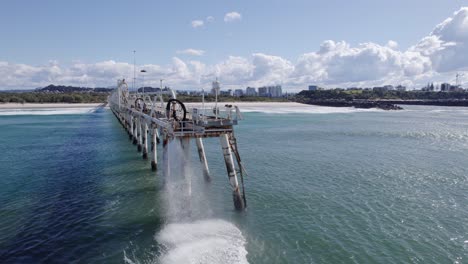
(353, 187)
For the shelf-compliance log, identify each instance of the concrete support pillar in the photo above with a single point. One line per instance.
(166, 159)
(185, 142)
(127, 123)
(144, 140)
(231, 170)
(158, 139)
(203, 161)
(135, 130)
(154, 150)
(130, 121)
(140, 131)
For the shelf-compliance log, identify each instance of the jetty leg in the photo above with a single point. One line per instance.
(130, 124)
(185, 142)
(145, 141)
(140, 130)
(231, 170)
(204, 162)
(166, 156)
(157, 136)
(135, 129)
(154, 150)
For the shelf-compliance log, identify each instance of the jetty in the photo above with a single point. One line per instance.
(149, 120)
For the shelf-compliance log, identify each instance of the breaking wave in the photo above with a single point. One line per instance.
(287, 108)
(306, 109)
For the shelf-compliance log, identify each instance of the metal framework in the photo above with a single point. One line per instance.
(146, 117)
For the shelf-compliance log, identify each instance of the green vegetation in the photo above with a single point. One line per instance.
(350, 95)
(40, 97)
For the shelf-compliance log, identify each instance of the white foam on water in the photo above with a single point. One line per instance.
(47, 111)
(310, 109)
(191, 234)
(287, 108)
(204, 241)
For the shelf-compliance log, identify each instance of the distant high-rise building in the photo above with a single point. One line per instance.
(216, 87)
(250, 91)
(275, 91)
(238, 92)
(263, 92)
(445, 87)
(226, 93)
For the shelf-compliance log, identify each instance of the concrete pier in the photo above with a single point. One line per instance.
(148, 120)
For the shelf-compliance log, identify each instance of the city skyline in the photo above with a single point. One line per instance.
(235, 43)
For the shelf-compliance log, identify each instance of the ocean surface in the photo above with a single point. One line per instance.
(324, 185)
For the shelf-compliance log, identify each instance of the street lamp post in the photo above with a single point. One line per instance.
(143, 79)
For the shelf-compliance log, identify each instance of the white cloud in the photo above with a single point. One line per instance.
(435, 57)
(197, 23)
(232, 16)
(209, 19)
(447, 45)
(193, 52)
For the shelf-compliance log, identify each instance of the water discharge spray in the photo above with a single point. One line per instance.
(191, 234)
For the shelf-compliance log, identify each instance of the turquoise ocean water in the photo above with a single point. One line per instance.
(341, 186)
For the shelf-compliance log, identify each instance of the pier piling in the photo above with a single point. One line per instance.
(231, 170)
(154, 150)
(203, 161)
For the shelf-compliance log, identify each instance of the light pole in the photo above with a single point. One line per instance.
(143, 79)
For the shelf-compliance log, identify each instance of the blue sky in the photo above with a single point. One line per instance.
(69, 32)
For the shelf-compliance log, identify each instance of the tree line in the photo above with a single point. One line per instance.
(350, 95)
(37, 97)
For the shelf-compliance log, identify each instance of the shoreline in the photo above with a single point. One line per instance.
(48, 105)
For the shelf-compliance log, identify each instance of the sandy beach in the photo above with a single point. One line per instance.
(264, 107)
(46, 105)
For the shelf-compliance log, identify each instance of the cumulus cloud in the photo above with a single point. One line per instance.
(435, 57)
(193, 52)
(232, 16)
(197, 23)
(447, 45)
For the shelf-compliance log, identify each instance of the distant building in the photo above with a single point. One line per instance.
(456, 88)
(445, 87)
(389, 87)
(263, 92)
(379, 89)
(250, 91)
(315, 88)
(401, 88)
(216, 87)
(226, 93)
(238, 92)
(275, 91)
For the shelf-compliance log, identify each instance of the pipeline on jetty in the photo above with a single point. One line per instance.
(148, 119)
